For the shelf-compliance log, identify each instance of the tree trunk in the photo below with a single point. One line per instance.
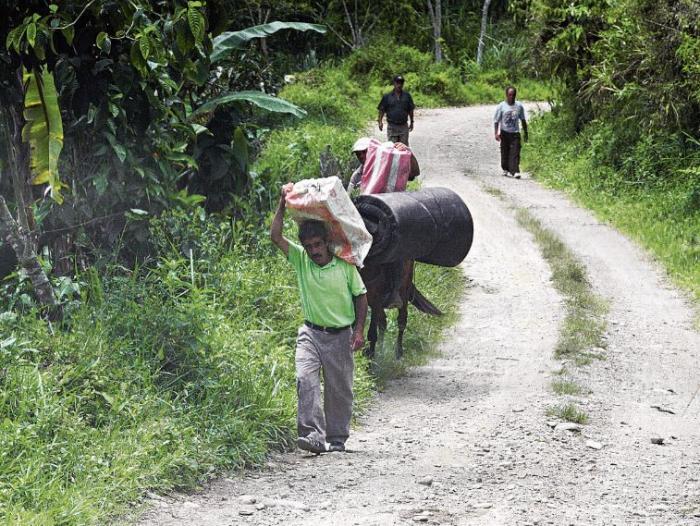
(482, 34)
(436, 21)
(19, 233)
(21, 242)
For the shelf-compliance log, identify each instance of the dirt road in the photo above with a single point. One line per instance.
(465, 440)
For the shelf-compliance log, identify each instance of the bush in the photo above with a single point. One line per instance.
(382, 59)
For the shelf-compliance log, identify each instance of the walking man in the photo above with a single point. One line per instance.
(506, 122)
(334, 303)
(398, 107)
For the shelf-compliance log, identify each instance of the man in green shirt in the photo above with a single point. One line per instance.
(334, 303)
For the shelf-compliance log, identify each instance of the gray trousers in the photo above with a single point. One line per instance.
(397, 133)
(330, 353)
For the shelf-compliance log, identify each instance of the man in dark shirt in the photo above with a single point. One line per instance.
(398, 107)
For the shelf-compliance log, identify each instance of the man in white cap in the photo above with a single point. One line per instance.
(360, 151)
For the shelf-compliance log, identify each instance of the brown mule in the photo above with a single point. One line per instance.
(377, 290)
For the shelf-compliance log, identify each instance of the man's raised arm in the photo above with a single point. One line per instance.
(277, 223)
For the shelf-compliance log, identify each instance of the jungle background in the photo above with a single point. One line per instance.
(146, 323)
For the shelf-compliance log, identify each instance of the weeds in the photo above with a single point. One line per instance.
(584, 325)
(566, 387)
(568, 413)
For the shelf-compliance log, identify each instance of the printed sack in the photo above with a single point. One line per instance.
(326, 200)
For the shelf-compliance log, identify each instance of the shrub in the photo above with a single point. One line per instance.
(382, 59)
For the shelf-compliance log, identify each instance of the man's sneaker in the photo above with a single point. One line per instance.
(516, 175)
(505, 173)
(312, 445)
(336, 447)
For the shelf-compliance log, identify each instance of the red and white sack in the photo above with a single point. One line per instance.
(386, 168)
(326, 200)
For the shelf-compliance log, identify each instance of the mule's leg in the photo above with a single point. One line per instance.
(406, 289)
(371, 336)
(402, 321)
(381, 325)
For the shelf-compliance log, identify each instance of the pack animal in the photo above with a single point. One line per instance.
(378, 286)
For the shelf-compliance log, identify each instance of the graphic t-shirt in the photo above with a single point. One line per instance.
(509, 116)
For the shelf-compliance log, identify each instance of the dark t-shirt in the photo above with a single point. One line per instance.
(396, 108)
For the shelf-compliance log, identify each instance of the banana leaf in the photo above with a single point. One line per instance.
(43, 129)
(231, 40)
(260, 99)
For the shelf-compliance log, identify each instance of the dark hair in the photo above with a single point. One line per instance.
(312, 228)
(515, 91)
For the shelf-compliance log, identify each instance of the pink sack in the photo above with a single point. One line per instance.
(325, 199)
(386, 168)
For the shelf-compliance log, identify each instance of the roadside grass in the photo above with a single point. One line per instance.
(568, 413)
(581, 338)
(567, 387)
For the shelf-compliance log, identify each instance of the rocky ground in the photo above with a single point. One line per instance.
(466, 439)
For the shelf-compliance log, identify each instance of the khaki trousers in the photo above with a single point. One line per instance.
(330, 354)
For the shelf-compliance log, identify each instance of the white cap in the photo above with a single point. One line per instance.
(361, 144)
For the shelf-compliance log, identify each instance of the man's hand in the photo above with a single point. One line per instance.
(381, 125)
(357, 341)
(526, 137)
(498, 136)
(410, 127)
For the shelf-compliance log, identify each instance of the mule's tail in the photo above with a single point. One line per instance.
(423, 304)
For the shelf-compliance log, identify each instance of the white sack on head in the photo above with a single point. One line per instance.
(326, 200)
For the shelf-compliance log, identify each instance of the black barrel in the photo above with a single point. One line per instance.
(432, 226)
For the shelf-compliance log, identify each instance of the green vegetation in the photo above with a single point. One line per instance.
(424, 332)
(566, 387)
(568, 413)
(584, 325)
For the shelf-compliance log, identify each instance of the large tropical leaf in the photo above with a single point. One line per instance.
(231, 40)
(43, 130)
(260, 99)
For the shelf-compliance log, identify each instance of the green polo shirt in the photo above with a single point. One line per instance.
(326, 292)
